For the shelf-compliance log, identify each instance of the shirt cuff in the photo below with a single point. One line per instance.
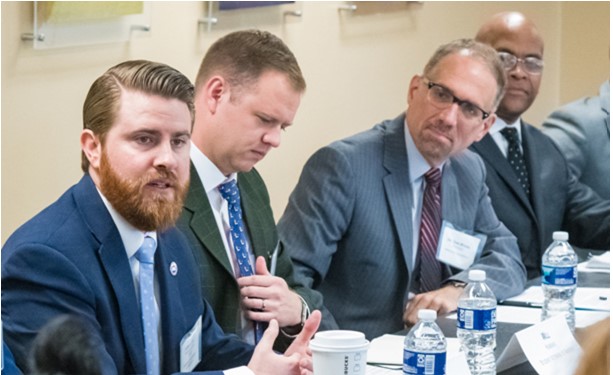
(243, 370)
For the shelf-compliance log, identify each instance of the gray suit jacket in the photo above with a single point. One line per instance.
(559, 201)
(581, 130)
(348, 228)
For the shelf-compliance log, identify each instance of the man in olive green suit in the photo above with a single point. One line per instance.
(247, 91)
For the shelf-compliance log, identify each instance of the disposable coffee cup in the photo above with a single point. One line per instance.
(339, 352)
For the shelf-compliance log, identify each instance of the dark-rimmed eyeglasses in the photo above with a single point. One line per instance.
(441, 97)
(530, 64)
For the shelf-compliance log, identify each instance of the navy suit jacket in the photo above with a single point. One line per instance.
(558, 200)
(70, 259)
(349, 231)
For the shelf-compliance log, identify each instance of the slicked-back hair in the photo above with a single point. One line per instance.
(474, 49)
(243, 56)
(104, 97)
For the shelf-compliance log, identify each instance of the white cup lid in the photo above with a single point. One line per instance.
(339, 339)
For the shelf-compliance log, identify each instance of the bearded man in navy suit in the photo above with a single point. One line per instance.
(80, 255)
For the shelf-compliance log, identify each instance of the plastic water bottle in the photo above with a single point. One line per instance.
(477, 324)
(425, 347)
(559, 280)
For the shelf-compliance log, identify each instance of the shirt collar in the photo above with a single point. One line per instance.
(210, 176)
(131, 237)
(418, 166)
(500, 124)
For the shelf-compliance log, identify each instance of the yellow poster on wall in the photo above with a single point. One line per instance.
(76, 11)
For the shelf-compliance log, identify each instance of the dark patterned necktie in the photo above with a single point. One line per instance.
(229, 192)
(430, 272)
(516, 158)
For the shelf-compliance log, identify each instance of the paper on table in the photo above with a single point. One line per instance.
(549, 346)
(522, 315)
(585, 298)
(599, 263)
(374, 370)
(386, 349)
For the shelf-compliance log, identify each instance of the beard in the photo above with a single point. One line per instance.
(145, 210)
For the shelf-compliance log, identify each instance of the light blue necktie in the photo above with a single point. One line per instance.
(148, 309)
(229, 191)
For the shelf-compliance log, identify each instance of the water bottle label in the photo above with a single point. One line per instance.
(559, 276)
(424, 363)
(478, 320)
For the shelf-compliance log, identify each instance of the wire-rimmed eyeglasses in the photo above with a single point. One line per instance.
(530, 64)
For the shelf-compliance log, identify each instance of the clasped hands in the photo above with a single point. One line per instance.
(443, 301)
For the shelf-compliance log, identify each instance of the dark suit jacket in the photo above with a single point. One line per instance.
(349, 231)
(70, 259)
(559, 201)
(218, 283)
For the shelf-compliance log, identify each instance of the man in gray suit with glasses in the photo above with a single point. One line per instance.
(390, 220)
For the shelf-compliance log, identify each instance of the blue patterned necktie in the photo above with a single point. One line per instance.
(229, 192)
(430, 271)
(148, 308)
(516, 158)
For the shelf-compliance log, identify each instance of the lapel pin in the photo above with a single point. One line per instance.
(174, 268)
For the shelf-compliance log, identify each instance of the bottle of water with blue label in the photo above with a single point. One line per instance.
(425, 347)
(559, 280)
(477, 324)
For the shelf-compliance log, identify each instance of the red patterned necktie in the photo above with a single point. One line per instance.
(430, 271)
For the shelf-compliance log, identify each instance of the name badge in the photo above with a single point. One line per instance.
(459, 248)
(191, 347)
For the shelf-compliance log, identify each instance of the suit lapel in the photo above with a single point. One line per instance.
(395, 185)
(117, 268)
(171, 312)
(451, 202)
(202, 221)
(490, 153)
(450, 195)
(535, 169)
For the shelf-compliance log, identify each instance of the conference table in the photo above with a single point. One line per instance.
(505, 331)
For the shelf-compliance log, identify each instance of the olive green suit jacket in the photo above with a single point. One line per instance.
(219, 286)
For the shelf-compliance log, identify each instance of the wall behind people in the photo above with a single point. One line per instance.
(357, 68)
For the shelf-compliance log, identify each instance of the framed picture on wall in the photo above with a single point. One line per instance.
(230, 5)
